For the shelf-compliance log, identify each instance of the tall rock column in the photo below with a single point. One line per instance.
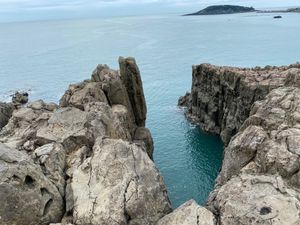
(130, 75)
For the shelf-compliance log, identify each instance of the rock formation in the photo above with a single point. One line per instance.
(84, 161)
(190, 213)
(5, 113)
(221, 97)
(20, 98)
(258, 111)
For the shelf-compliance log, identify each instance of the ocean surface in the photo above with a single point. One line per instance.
(44, 57)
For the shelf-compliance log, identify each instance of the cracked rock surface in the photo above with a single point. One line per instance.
(259, 181)
(86, 161)
(190, 213)
(221, 97)
(258, 111)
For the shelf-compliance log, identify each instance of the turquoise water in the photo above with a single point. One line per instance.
(46, 56)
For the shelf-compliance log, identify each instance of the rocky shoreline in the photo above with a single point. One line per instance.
(86, 161)
(256, 113)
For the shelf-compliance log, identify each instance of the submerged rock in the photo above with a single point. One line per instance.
(20, 98)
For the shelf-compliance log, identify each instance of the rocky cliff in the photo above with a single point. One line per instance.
(256, 111)
(84, 161)
(221, 97)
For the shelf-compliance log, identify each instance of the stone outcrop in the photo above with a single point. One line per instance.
(27, 196)
(5, 113)
(221, 97)
(190, 213)
(259, 181)
(20, 98)
(84, 161)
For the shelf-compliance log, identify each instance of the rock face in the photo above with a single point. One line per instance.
(5, 113)
(259, 181)
(27, 196)
(84, 161)
(190, 213)
(221, 97)
(260, 172)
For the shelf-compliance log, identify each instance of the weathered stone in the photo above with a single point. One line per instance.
(27, 197)
(5, 113)
(121, 183)
(52, 159)
(143, 135)
(257, 199)
(256, 112)
(20, 132)
(79, 94)
(20, 98)
(190, 213)
(268, 143)
(221, 97)
(118, 184)
(131, 78)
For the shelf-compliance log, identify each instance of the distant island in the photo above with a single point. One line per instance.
(222, 9)
(231, 9)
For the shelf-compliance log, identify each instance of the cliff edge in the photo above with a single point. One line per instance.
(256, 112)
(84, 161)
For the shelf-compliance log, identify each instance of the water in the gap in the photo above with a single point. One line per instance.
(46, 56)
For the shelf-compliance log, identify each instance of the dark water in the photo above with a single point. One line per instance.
(46, 56)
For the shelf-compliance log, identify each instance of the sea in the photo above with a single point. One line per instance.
(44, 57)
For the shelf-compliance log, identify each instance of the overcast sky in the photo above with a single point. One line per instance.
(15, 10)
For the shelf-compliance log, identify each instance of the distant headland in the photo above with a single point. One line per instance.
(232, 9)
(222, 9)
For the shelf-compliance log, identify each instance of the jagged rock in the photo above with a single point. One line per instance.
(27, 196)
(184, 100)
(143, 135)
(259, 181)
(118, 184)
(5, 113)
(256, 112)
(221, 97)
(52, 159)
(20, 132)
(269, 137)
(257, 199)
(73, 127)
(58, 143)
(131, 78)
(20, 98)
(113, 87)
(190, 213)
(79, 94)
